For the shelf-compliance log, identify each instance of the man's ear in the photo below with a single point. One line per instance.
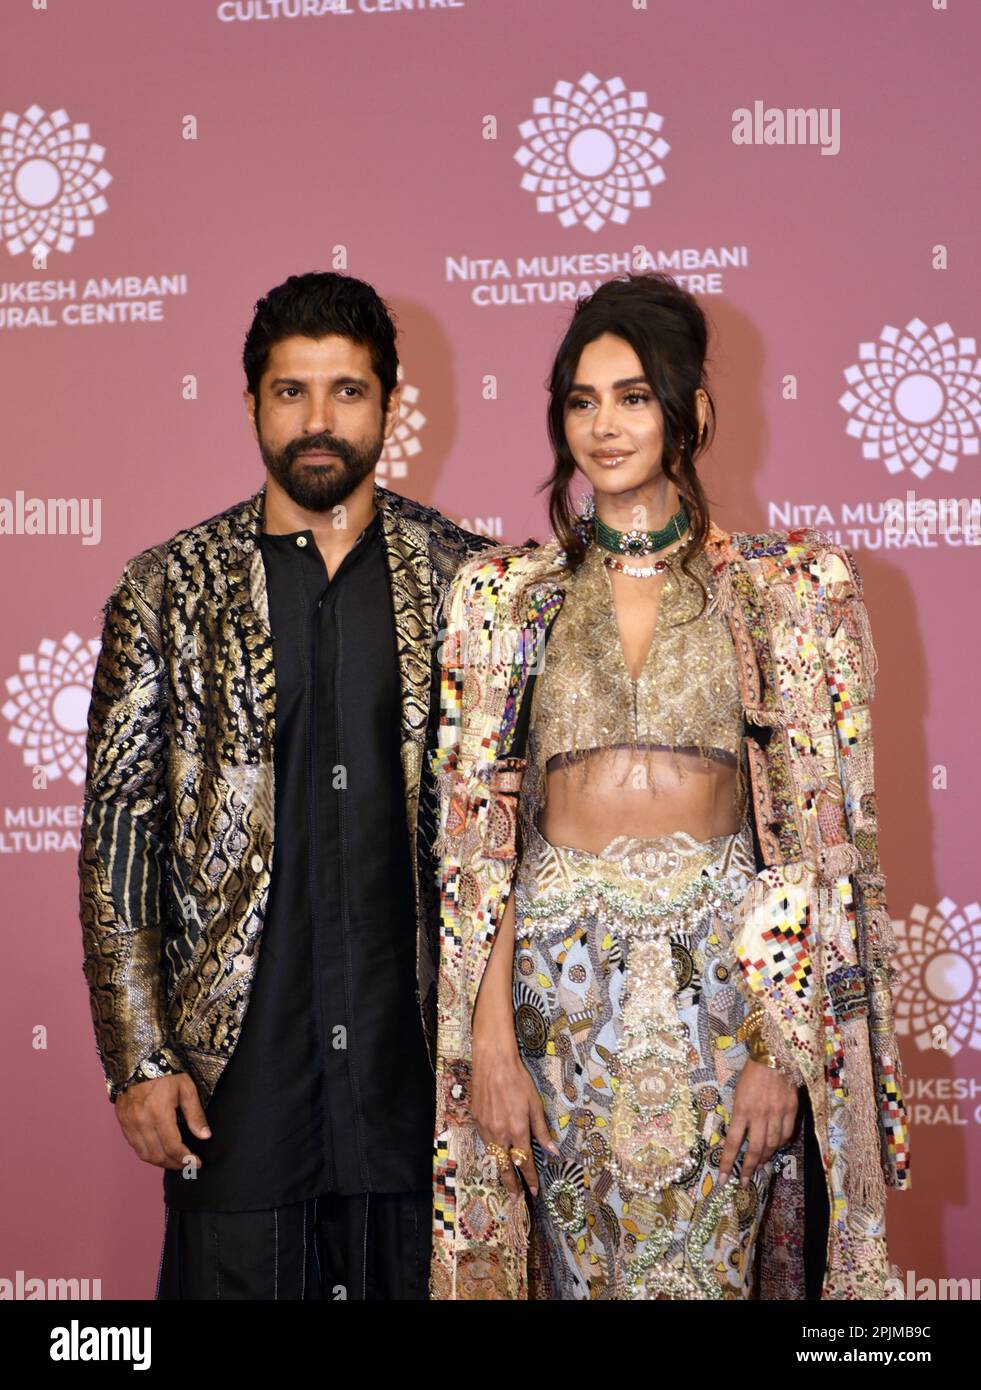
(250, 408)
(392, 413)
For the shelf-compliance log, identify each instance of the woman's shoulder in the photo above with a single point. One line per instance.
(505, 569)
(752, 545)
(803, 552)
(800, 545)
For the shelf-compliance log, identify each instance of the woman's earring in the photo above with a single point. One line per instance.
(587, 506)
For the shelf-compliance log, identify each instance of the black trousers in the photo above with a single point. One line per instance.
(373, 1245)
(816, 1215)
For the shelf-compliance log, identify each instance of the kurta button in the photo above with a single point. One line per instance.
(256, 862)
(301, 540)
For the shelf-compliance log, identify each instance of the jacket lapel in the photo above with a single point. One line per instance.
(743, 603)
(243, 635)
(410, 574)
(248, 603)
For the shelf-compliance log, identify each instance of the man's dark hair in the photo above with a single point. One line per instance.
(314, 305)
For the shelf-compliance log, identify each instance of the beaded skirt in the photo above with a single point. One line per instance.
(627, 1002)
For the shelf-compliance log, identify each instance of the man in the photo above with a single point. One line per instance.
(257, 881)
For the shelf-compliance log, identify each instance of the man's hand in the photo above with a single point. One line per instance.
(765, 1103)
(147, 1113)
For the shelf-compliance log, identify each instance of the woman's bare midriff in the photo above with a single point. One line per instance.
(615, 797)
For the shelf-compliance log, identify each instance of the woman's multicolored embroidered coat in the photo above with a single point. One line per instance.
(812, 934)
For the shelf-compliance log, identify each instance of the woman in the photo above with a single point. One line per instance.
(654, 986)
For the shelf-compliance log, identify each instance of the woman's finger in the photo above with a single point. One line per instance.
(757, 1139)
(789, 1126)
(521, 1144)
(773, 1137)
(734, 1139)
(496, 1162)
(774, 1129)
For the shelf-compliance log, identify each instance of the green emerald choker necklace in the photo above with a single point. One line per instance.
(640, 542)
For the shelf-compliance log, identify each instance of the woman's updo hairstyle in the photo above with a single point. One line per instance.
(668, 331)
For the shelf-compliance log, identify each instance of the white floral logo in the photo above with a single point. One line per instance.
(51, 181)
(914, 398)
(592, 152)
(404, 444)
(937, 999)
(48, 706)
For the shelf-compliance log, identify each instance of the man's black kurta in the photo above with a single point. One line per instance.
(329, 1088)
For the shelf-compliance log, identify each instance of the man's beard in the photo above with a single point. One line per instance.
(318, 486)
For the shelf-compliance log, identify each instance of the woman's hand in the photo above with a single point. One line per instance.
(506, 1107)
(765, 1103)
(504, 1102)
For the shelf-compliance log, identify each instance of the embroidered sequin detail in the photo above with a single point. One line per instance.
(641, 915)
(626, 1017)
(686, 696)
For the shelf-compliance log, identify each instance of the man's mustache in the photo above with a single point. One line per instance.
(318, 441)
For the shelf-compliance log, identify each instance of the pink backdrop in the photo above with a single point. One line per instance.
(481, 164)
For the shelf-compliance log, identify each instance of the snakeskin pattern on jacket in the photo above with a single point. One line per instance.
(177, 835)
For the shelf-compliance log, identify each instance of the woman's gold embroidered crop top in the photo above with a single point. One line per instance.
(686, 697)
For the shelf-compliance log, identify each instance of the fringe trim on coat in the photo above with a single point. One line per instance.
(784, 603)
(724, 598)
(864, 1182)
(766, 714)
(870, 660)
(878, 926)
(834, 861)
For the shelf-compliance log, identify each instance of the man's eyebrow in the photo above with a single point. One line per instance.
(334, 381)
(624, 381)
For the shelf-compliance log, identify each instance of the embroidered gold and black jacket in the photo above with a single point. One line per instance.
(178, 826)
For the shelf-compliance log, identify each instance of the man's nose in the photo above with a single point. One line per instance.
(319, 415)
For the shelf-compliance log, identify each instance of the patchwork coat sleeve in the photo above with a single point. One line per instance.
(449, 659)
(850, 667)
(122, 856)
(480, 1237)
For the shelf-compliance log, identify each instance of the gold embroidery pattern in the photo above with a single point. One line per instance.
(686, 696)
(177, 833)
